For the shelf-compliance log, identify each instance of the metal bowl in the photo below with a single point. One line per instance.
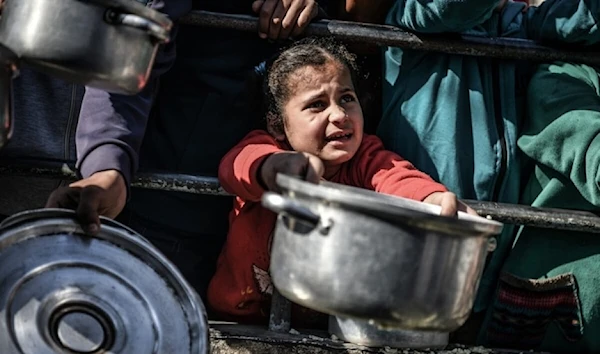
(66, 292)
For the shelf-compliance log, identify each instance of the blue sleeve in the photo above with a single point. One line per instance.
(111, 126)
(570, 21)
(436, 16)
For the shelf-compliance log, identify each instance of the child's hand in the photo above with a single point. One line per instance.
(280, 19)
(449, 203)
(302, 164)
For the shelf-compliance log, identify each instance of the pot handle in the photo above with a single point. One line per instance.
(280, 204)
(155, 30)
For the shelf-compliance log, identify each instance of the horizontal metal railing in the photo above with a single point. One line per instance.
(384, 35)
(561, 219)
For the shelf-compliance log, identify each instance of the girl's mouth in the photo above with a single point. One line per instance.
(339, 137)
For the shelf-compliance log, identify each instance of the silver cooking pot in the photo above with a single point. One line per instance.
(360, 254)
(8, 71)
(108, 44)
(66, 292)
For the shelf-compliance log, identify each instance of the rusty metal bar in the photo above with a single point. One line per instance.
(560, 219)
(383, 35)
(547, 218)
(160, 181)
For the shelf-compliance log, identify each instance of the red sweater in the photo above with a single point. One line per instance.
(241, 288)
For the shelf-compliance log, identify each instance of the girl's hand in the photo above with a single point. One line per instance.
(449, 203)
(299, 164)
(280, 19)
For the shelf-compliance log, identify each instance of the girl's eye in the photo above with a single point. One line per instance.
(316, 105)
(348, 98)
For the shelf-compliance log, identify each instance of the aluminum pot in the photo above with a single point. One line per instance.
(8, 71)
(362, 332)
(357, 253)
(108, 44)
(66, 292)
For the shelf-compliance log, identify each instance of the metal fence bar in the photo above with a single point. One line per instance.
(280, 318)
(560, 219)
(383, 35)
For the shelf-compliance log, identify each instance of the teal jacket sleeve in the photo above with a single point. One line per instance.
(436, 16)
(563, 129)
(571, 21)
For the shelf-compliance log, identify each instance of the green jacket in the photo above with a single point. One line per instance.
(561, 140)
(458, 117)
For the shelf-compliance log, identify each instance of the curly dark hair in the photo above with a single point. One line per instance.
(314, 52)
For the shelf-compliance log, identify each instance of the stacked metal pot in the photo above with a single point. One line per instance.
(108, 44)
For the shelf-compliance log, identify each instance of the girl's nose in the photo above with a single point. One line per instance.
(338, 114)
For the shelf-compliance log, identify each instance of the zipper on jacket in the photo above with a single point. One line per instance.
(500, 130)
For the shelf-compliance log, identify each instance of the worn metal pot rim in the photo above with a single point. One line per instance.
(50, 213)
(390, 207)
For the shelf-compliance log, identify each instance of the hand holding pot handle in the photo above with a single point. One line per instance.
(301, 164)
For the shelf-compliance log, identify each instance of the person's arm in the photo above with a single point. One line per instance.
(239, 168)
(436, 16)
(563, 126)
(573, 21)
(111, 126)
(386, 172)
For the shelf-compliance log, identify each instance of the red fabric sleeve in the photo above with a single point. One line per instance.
(239, 167)
(386, 172)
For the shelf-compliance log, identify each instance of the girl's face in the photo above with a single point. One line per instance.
(323, 116)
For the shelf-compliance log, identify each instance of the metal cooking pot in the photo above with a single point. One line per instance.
(362, 332)
(360, 254)
(8, 71)
(66, 292)
(108, 44)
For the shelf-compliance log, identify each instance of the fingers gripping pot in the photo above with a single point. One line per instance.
(66, 292)
(108, 44)
(360, 254)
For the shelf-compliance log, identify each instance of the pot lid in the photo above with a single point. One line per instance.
(66, 292)
(389, 207)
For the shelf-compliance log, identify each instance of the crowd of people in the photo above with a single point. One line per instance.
(246, 106)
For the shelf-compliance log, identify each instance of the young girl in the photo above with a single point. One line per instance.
(315, 129)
